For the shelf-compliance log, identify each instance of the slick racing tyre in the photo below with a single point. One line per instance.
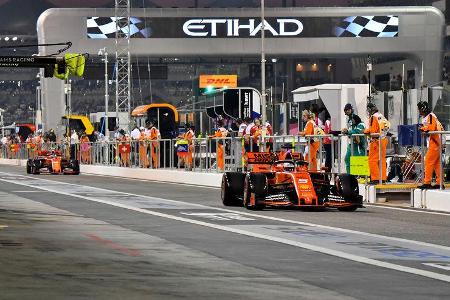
(347, 186)
(227, 194)
(75, 165)
(29, 166)
(255, 184)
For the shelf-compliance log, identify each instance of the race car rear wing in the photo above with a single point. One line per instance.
(261, 158)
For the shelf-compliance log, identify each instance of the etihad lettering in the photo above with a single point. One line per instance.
(239, 27)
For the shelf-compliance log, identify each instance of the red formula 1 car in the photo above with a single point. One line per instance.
(52, 162)
(288, 183)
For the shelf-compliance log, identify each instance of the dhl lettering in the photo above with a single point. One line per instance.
(212, 81)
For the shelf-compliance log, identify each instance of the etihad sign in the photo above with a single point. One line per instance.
(217, 81)
(241, 27)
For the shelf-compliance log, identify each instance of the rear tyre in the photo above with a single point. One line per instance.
(29, 166)
(35, 166)
(227, 195)
(75, 167)
(256, 184)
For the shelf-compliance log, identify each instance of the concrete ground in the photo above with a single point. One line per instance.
(95, 237)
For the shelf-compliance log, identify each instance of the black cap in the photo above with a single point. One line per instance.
(348, 106)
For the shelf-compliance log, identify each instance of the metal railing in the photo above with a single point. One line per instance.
(226, 154)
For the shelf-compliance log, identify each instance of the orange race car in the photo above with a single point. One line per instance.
(52, 162)
(288, 183)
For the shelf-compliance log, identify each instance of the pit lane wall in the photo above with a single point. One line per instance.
(172, 176)
(431, 199)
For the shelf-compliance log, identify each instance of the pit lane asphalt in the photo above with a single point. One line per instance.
(67, 247)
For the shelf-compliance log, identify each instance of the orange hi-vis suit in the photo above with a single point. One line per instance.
(125, 157)
(220, 133)
(311, 155)
(143, 158)
(31, 147)
(188, 136)
(154, 137)
(374, 148)
(85, 150)
(431, 123)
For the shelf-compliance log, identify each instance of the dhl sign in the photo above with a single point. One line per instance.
(218, 81)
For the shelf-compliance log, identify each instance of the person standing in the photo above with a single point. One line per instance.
(255, 134)
(220, 133)
(189, 136)
(432, 164)
(155, 136)
(311, 149)
(247, 135)
(377, 130)
(74, 141)
(240, 142)
(268, 132)
(359, 142)
(85, 149)
(327, 141)
(349, 111)
(143, 158)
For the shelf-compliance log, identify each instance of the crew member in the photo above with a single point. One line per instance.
(242, 124)
(85, 149)
(269, 132)
(255, 134)
(220, 133)
(377, 130)
(31, 147)
(189, 135)
(311, 150)
(348, 111)
(143, 158)
(358, 142)
(431, 123)
(74, 141)
(125, 154)
(155, 136)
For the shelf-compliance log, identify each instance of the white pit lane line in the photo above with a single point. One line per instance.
(55, 187)
(402, 209)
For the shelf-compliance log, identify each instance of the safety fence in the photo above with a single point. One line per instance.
(334, 153)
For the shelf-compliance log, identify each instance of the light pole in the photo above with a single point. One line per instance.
(263, 66)
(103, 52)
(274, 61)
(1, 121)
(369, 70)
(38, 117)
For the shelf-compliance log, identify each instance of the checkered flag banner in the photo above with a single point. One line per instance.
(368, 26)
(105, 28)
